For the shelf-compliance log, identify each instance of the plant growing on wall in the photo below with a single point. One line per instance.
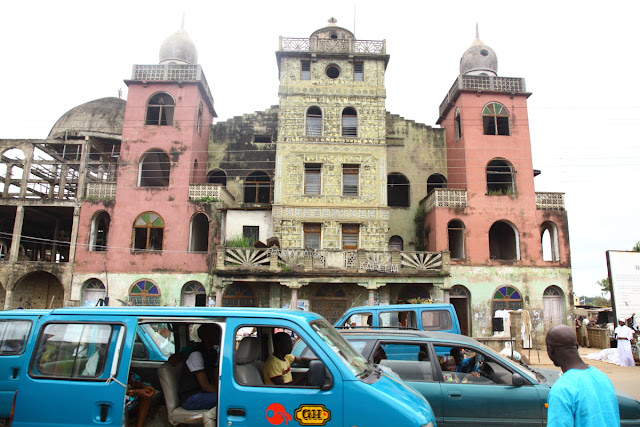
(418, 220)
(239, 241)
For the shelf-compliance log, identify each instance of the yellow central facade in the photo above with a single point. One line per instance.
(331, 158)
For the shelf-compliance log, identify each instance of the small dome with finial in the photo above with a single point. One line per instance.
(178, 48)
(479, 59)
(333, 32)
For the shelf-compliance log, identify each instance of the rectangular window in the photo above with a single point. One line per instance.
(73, 350)
(305, 73)
(251, 232)
(350, 178)
(265, 139)
(312, 233)
(358, 71)
(13, 334)
(350, 233)
(312, 177)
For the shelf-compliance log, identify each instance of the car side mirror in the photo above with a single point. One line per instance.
(318, 376)
(517, 380)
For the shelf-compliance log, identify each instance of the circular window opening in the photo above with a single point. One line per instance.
(334, 36)
(484, 52)
(333, 72)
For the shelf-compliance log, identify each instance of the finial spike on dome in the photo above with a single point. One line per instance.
(477, 32)
(332, 21)
(182, 25)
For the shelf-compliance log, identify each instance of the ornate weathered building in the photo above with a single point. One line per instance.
(147, 202)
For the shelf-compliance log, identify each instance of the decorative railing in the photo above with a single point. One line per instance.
(550, 201)
(278, 259)
(289, 44)
(210, 193)
(101, 190)
(446, 198)
(172, 72)
(483, 83)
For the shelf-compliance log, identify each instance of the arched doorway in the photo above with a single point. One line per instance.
(38, 290)
(459, 298)
(194, 295)
(552, 307)
(239, 295)
(93, 290)
(330, 301)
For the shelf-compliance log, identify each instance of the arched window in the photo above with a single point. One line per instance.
(500, 178)
(495, 119)
(154, 170)
(144, 292)
(314, 121)
(239, 295)
(455, 229)
(436, 181)
(217, 176)
(349, 123)
(99, 231)
(549, 240)
(257, 188)
(504, 241)
(396, 243)
(457, 124)
(199, 122)
(160, 110)
(148, 231)
(194, 295)
(506, 298)
(93, 291)
(199, 233)
(397, 190)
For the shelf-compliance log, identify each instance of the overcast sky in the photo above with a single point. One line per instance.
(579, 61)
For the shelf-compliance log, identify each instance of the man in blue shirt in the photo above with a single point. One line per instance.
(582, 396)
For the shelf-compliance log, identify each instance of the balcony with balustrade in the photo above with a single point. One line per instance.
(330, 262)
(471, 83)
(314, 44)
(211, 193)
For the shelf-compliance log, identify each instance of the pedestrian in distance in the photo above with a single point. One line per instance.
(623, 335)
(582, 396)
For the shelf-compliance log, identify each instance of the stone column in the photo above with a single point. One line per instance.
(74, 234)
(17, 234)
(220, 254)
(372, 297)
(294, 299)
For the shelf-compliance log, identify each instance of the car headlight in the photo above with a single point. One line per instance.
(429, 424)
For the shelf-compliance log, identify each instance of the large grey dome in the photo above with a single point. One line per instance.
(178, 48)
(479, 59)
(102, 118)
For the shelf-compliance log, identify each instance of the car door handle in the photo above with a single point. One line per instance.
(104, 412)
(454, 395)
(14, 373)
(236, 412)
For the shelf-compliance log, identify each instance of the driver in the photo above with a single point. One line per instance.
(469, 365)
(277, 368)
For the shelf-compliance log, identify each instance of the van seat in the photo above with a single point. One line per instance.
(248, 367)
(169, 377)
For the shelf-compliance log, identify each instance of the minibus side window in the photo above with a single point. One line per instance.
(436, 320)
(13, 334)
(253, 357)
(73, 350)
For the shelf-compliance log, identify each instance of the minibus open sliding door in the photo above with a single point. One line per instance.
(78, 372)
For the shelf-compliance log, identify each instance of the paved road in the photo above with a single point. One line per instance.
(625, 378)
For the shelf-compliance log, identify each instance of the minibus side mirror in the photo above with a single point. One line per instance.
(318, 376)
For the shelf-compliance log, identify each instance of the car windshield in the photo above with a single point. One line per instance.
(356, 363)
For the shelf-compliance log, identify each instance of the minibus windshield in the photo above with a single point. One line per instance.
(356, 363)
